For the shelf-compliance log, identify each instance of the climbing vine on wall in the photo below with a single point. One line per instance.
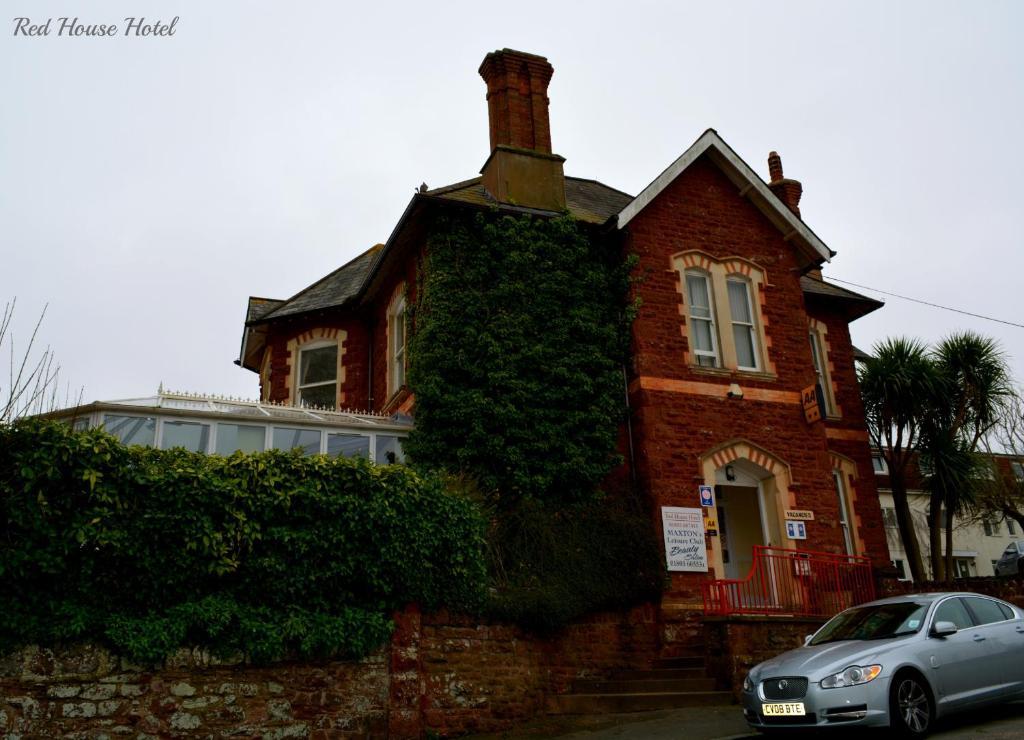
(521, 334)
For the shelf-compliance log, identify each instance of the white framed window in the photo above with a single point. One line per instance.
(703, 335)
(962, 567)
(744, 335)
(878, 465)
(131, 430)
(193, 436)
(991, 527)
(821, 384)
(318, 375)
(1018, 470)
(889, 517)
(844, 514)
(901, 570)
(397, 340)
(1011, 526)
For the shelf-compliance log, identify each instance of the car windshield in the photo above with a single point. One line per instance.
(876, 622)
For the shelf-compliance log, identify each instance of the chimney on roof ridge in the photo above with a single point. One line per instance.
(521, 169)
(787, 190)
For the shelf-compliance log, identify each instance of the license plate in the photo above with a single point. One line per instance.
(789, 709)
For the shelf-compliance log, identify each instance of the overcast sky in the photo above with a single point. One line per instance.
(149, 185)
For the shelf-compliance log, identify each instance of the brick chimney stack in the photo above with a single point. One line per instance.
(787, 190)
(521, 169)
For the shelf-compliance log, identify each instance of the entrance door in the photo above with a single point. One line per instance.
(739, 516)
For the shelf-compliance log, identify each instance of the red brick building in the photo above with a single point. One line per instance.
(739, 346)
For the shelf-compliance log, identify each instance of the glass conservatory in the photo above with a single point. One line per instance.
(221, 426)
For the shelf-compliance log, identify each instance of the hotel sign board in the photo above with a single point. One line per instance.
(685, 549)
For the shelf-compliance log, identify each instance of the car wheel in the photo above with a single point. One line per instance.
(911, 711)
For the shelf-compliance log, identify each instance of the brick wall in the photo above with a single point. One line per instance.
(443, 674)
(734, 645)
(681, 412)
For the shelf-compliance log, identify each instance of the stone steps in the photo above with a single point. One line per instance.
(643, 685)
(635, 702)
(641, 674)
(670, 683)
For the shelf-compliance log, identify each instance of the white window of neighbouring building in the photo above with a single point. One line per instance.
(318, 375)
(703, 337)
(879, 466)
(744, 335)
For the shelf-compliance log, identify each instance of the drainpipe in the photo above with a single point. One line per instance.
(629, 426)
(369, 369)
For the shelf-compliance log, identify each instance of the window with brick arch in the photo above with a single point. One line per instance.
(744, 332)
(722, 305)
(703, 334)
(318, 375)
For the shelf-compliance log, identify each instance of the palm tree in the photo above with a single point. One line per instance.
(972, 394)
(895, 384)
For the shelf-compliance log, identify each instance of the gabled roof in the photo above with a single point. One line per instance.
(330, 291)
(587, 200)
(749, 183)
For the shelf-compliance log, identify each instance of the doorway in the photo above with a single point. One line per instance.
(741, 527)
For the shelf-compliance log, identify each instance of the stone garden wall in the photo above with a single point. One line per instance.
(440, 675)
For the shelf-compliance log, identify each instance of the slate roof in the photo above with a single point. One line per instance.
(330, 291)
(260, 307)
(829, 290)
(587, 200)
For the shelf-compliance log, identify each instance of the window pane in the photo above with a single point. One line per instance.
(79, 425)
(131, 430)
(308, 440)
(319, 395)
(815, 355)
(389, 450)
(243, 437)
(743, 336)
(952, 610)
(702, 336)
(319, 365)
(193, 436)
(700, 300)
(985, 610)
(348, 445)
(739, 302)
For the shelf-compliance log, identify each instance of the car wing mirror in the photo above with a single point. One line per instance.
(807, 639)
(943, 629)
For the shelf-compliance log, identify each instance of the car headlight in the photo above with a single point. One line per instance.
(747, 686)
(852, 676)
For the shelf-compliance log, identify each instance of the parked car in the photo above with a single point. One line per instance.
(1011, 562)
(901, 662)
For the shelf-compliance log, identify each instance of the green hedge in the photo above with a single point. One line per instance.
(268, 554)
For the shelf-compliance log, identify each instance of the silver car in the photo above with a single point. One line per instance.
(900, 662)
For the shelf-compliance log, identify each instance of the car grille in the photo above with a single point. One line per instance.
(784, 687)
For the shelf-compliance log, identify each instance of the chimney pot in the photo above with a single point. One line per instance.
(521, 169)
(786, 189)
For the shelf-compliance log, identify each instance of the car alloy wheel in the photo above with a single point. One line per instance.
(912, 707)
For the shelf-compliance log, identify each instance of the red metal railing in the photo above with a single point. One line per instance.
(793, 582)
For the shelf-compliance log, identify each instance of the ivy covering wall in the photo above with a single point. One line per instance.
(520, 336)
(269, 554)
(516, 360)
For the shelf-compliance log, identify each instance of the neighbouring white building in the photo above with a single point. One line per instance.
(977, 543)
